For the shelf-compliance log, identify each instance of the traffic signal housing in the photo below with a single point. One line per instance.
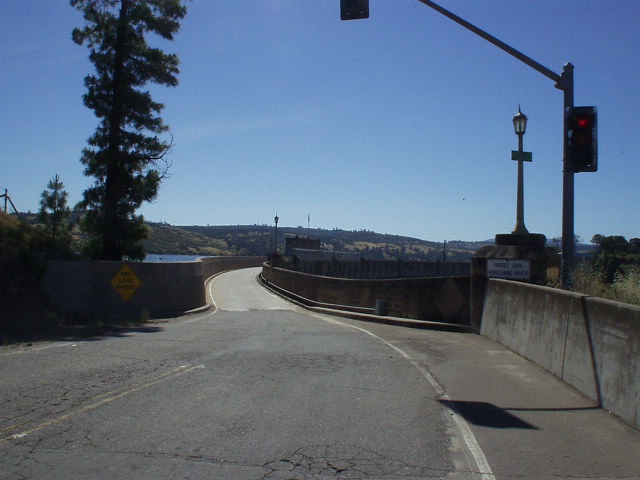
(354, 9)
(582, 138)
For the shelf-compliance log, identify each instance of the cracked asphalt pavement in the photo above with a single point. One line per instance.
(259, 389)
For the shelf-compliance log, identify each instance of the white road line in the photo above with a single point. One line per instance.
(213, 301)
(484, 469)
(97, 401)
(31, 349)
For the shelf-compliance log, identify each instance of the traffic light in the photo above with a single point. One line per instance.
(582, 133)
(354, 9)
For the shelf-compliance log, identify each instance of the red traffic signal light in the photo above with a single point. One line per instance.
(583, 121)
(582, 138)
(354, 9)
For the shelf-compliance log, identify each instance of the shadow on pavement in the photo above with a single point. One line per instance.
(486, 415)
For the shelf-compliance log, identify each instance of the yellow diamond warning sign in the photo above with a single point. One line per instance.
(126, 282)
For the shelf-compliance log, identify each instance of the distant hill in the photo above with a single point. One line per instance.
(258, 240)
(233, 240)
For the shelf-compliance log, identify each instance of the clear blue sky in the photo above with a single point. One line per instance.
(399, 124)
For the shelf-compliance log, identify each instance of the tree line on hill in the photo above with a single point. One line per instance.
(259, 240)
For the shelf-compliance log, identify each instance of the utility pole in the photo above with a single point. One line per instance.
(7, 198)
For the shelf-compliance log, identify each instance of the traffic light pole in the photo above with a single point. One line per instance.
(568, 236)
(563, 82)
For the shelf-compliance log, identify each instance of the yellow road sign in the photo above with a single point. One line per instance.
(126, 282)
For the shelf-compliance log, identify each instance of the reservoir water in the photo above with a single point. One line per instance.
(158, 257)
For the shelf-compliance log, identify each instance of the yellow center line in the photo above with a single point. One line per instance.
(97, 401)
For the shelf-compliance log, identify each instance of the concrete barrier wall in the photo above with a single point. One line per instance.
(380, 269)
(84, 288)
(590, 343)
(444, 299)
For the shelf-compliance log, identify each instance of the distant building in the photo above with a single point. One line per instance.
(305, 254)
(306, 248)
(300, 242)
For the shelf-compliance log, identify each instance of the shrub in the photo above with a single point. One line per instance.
(626, 285)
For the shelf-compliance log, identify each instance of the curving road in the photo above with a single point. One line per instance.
(259, 389)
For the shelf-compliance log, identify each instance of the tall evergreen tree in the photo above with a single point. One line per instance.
(125, 154)
(54, 212)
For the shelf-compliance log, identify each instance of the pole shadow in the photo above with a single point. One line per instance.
(486, 415)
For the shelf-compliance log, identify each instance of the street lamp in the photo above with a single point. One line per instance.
(276, 239)
(520, 127)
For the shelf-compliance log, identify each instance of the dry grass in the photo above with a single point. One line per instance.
(625, 287)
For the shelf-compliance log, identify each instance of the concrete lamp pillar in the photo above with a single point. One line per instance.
(519, 255)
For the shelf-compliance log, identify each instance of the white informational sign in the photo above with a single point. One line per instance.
(509, 269)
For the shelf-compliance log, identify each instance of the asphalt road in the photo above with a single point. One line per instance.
(259, 389)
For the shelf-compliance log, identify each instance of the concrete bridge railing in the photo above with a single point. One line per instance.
(590, 343)
(86, 289)
(437, 299)
(380, 269)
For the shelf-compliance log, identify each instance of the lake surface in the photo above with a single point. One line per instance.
(156, 257)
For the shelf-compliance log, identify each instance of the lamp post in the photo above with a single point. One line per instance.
(276, 239)
(564, 82)
(520, 127)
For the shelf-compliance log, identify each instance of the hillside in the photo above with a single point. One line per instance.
(233, 240)
(169, 240)
(258, 240)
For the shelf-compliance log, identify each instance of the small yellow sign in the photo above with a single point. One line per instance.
(126, 282)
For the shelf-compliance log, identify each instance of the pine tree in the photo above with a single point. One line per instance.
(125, 154)
(54, 212)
